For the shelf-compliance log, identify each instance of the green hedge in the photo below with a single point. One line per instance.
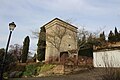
(86, 52)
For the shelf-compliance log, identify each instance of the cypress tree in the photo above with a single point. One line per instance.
(102, 36)
(119, 36)
(111, 37)
(116, 35)
(41, 44)
(25, 49)
(116, 32)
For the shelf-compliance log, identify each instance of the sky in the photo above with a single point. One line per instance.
(30, 15)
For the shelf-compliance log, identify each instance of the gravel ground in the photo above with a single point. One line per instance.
(85, 75)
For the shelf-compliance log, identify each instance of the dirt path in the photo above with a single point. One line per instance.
(86, 75)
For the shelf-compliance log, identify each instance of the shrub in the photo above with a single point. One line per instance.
(15, 74)
(111, 74)
(17, 67)
(46, 67)
(35, 69)
(110, 71)
(18, 74)
(30, 70)
(5, 75)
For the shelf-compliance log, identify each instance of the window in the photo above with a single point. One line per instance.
(69, 46)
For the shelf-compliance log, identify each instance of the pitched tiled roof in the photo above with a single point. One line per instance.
(61, 21)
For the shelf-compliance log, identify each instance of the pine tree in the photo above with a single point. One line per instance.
(25, 49)
(41, 44)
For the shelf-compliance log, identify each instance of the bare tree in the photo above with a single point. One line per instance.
(56, 36)
(86, 40)
(16, 51)
(91, 37)
(83, 37)
(35, 34)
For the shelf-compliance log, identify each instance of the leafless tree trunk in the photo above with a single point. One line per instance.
(55, 37)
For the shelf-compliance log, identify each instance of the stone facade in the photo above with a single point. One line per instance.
(60, 36)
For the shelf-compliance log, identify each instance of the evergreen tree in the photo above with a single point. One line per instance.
(90, 38)
(25, 49)
(116, 35)
(41, 44)
(102, 36)
(111, 37)
(119, 36)
(2, 52)
(116, 32)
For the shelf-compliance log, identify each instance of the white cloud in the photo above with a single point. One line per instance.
(31, 14)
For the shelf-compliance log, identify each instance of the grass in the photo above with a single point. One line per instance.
(46, 67)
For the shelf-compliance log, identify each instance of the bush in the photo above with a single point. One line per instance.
(15, 74)
(18, 74)
(46, 67)
(5, 76)
(17, 67)
(35, 69)
(30, 70)
(111, 74)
